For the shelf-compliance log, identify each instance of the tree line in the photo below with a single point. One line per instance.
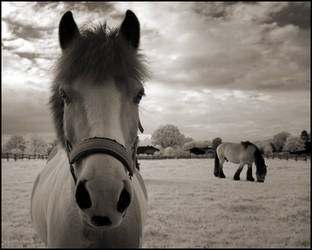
(17, 144)
(285, 142)
(169, 138)
(170, 141)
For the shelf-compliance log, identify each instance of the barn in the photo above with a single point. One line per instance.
(201, 150)
(150, 150)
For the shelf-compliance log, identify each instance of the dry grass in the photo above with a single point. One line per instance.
(189, 207)
(17, 181)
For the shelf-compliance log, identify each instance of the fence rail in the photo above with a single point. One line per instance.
(162, 157)
(8, 156)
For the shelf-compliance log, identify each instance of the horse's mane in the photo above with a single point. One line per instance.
(96, 55)
(246, 143)
(259, 160)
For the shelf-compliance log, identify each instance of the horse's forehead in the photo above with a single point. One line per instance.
(109, 85)
(103, 108)
(86, 85)
(101, 98)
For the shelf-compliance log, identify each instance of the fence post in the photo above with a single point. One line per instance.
(296, 157)
(15, 156)
(7, 156)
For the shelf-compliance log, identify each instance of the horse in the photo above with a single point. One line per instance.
(90, 193)
(240, 153)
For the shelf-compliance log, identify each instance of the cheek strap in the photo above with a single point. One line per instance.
(141, 127)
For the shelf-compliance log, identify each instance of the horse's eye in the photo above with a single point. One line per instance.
(64, 96)
(139, 96)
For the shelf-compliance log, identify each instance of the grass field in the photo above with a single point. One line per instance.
(189, 207)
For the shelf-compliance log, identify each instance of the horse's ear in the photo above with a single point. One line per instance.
(130, 29)
(68, 30)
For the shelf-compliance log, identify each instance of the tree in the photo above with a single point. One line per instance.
(215, 142)
(167, 136)
(294, 144)
(279, 140)
(16, 151)
(15, 142)
(51, 145)
(36, 146)
(188, 139)
(265, 147)
(169, 151)
(304, 136)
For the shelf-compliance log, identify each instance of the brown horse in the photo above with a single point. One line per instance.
(240, 153)
(91, 193)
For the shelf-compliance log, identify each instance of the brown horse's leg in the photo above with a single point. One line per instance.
(238, 171)
(249, 173)
(216, 171)
(221, 174)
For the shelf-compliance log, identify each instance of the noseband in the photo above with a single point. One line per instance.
(105, 146)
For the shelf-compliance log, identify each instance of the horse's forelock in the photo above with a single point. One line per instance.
(98, 54)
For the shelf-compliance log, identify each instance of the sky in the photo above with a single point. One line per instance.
(235, 70)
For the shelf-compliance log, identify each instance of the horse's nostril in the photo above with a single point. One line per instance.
(101, 221)
(82, 196)
(124, 201)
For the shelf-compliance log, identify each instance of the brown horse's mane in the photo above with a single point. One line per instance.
(96, 55)
(259, 160)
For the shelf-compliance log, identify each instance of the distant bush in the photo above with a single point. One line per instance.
(294, 144)
(264, 147)
(279, 140)
(15, 142)
(16, 151)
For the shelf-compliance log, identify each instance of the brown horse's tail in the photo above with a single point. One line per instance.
(217, 165)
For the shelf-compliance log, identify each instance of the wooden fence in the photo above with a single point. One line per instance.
(283, 155)
(8, 156)
(287, 156)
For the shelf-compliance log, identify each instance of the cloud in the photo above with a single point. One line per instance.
(234, 69)
(295, 13)
(28, 110)
(231, 52)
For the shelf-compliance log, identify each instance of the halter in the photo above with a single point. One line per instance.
(106, 146)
